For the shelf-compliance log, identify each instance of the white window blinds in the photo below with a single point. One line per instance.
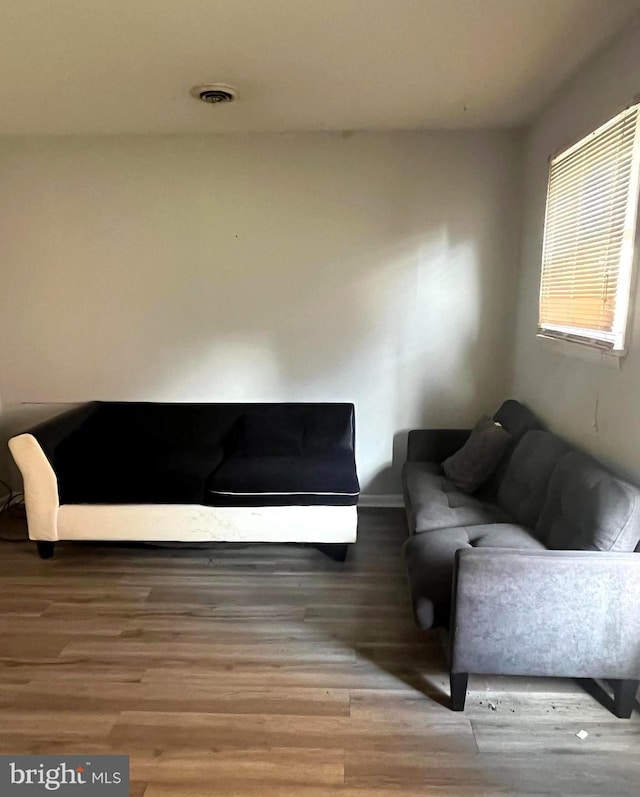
(589, 232)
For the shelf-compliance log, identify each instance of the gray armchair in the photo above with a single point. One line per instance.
(559, 613)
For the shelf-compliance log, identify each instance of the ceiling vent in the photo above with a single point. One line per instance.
(213, 93)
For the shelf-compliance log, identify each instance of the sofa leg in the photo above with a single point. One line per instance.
(334, 550)
(45, 549)
(458, 682)
(624, 698)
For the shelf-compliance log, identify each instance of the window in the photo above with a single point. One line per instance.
(589, 232)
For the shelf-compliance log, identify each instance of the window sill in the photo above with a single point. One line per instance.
(585, 352)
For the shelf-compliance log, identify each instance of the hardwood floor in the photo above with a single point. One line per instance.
(271, 670)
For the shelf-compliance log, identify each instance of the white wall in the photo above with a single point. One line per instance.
(378, 269)
(592, 399)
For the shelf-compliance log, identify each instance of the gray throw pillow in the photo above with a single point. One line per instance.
(472, 465)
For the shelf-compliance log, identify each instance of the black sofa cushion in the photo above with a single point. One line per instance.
(262, 434)
(285, 480)
(142, 477)
(162, 427)
(141, 452)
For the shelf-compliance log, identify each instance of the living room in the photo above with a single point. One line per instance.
(363, 223)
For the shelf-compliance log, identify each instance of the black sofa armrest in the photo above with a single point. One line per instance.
(434, 445)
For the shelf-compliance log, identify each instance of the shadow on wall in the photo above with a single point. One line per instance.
(438, 407)
(327, 269)
(390, 473)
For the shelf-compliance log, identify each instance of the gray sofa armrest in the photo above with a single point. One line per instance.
(434, 445)
(559, 613)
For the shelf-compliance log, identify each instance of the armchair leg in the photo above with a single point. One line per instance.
(458, 682)
(624, 697)
(45, 549)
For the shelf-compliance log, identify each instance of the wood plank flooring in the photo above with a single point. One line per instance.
(270, 670)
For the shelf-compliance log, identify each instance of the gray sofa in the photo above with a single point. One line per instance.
(534, 573)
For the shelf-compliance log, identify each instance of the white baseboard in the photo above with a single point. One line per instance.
(386, 501)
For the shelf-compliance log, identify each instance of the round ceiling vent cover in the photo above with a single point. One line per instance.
(214, 93)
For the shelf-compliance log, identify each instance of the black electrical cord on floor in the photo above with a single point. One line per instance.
(13, 506)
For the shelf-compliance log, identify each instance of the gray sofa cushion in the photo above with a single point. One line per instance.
(524, 487)
(429, 560)
(433, 502)
(589, 509)
(517, 420)
(472, 464)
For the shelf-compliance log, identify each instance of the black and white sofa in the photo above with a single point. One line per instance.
(135, 471)
(534, 572)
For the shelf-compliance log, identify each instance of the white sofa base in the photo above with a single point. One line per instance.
(196, 523)
(50, 522)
